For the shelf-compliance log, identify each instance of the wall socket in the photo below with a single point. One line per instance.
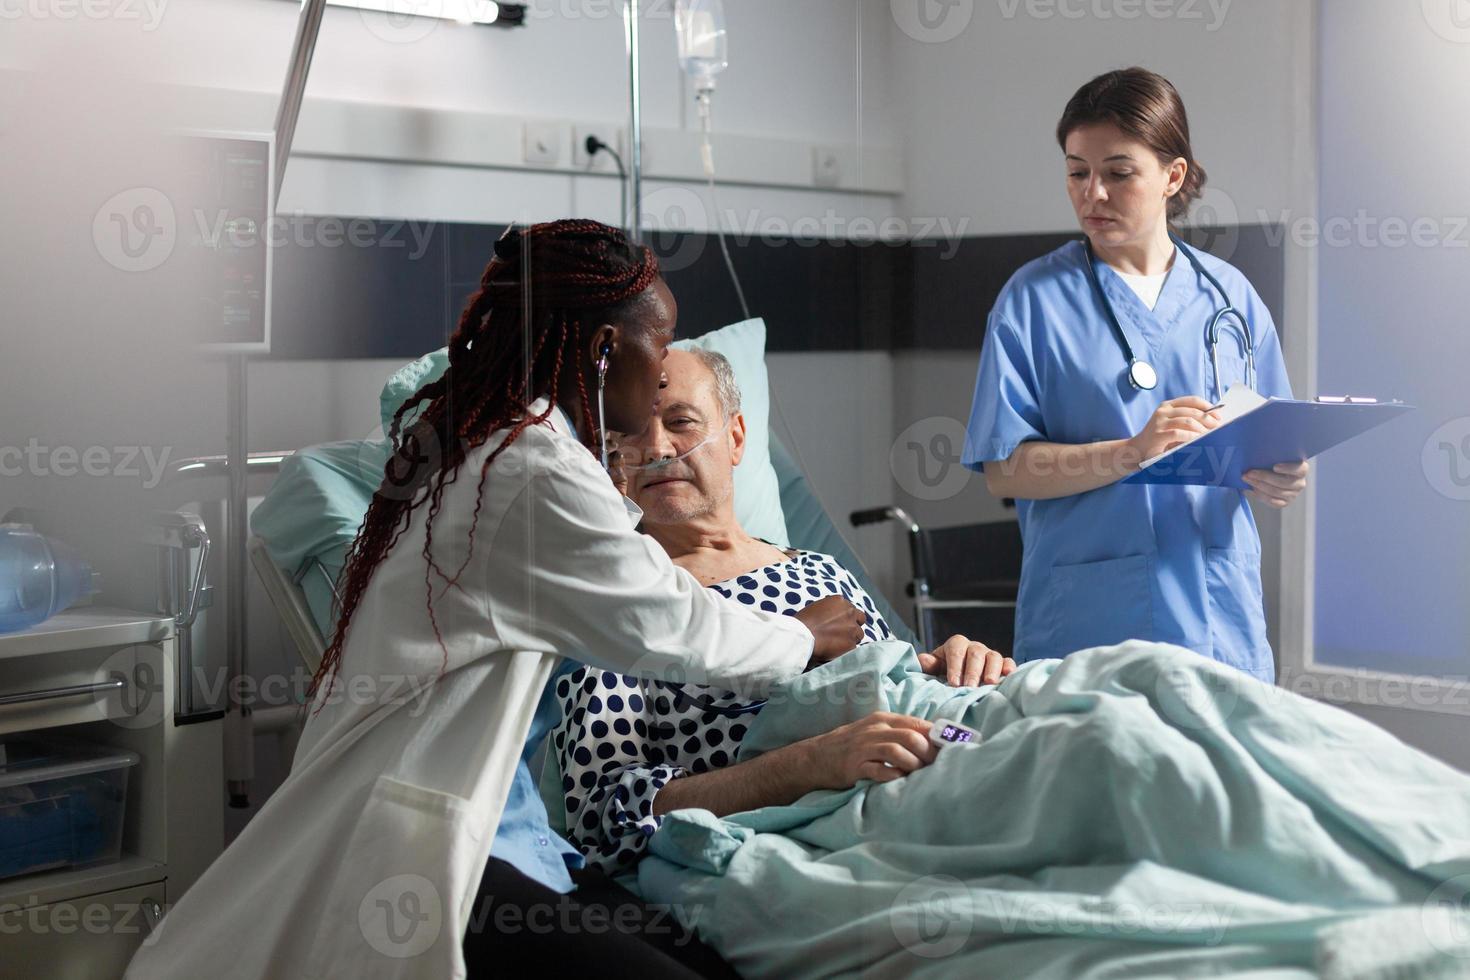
(826, 166)
(602, 162)
(542, 143)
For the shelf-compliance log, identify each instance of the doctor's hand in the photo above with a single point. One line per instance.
(1175, 421)
(859, 749)
(966, 663)
(1279, 485)
(836, 625)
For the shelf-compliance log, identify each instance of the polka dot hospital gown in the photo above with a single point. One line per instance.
(621, 740)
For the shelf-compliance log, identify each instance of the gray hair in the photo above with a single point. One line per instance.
(726, 390)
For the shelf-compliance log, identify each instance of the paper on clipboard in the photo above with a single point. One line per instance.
(1239, 400)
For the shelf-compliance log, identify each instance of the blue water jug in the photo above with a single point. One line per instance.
(39, 577)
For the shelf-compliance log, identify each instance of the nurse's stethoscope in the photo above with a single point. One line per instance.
(1141, 374)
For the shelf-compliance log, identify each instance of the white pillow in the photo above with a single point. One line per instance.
(757, 492)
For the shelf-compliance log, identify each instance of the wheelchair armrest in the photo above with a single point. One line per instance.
(877, 515)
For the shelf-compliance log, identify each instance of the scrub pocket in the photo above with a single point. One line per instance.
(387, 913)
(1237, 610)
(1095, 603)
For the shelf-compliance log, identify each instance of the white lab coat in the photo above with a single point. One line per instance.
(366, 861)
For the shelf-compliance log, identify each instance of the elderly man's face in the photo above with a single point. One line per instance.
(689, 412)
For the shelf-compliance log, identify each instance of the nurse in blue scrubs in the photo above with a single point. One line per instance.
(1070, 400)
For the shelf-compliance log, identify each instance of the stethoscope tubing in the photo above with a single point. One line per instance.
(1139, 370)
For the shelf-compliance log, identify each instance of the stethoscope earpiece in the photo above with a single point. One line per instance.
(601, 407)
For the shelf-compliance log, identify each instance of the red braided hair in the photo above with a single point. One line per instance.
(518, 338)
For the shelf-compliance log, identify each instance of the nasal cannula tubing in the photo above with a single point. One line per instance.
(662, 462)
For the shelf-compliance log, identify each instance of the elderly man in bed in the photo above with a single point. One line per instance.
(631, 751)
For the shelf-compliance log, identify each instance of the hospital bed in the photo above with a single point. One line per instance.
(339, 478)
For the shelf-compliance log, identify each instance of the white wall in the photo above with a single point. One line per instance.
(983, 106)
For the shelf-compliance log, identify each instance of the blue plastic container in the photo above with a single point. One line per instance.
(39, 577)
(62, 803)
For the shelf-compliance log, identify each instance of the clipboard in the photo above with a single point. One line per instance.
(1261, 432)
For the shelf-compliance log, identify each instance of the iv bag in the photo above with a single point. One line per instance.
(700, 25)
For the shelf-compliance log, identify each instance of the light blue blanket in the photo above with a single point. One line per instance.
(1133, 811)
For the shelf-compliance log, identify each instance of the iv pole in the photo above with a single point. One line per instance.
(239, 735)
(635, 124)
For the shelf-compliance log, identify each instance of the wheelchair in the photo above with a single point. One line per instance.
(965, 578)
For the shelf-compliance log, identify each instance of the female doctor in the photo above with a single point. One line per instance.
(409, 839)
(1103, 354)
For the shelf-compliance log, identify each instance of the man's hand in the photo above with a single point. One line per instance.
(966, 663)
(859, 749)
(1279, 485)
(836, 625)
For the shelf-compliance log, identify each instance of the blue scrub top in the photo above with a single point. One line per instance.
(524, 838)
(1175, 564)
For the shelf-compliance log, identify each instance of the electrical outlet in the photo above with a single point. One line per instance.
(542, 144)
(601, 162)
(826, 166)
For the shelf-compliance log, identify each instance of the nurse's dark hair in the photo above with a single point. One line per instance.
(520, 338)
(1146, 107)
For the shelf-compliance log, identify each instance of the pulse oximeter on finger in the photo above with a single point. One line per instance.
(944, 732)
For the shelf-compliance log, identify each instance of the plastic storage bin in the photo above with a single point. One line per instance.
(62, 803)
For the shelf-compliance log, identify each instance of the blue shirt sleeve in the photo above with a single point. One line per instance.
(1006, 410)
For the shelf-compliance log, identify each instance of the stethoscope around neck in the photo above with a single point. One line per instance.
(1141, 374)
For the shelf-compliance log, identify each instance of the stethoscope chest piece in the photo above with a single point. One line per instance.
(1141, 375)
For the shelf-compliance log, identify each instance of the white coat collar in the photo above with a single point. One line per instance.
(562, 425)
